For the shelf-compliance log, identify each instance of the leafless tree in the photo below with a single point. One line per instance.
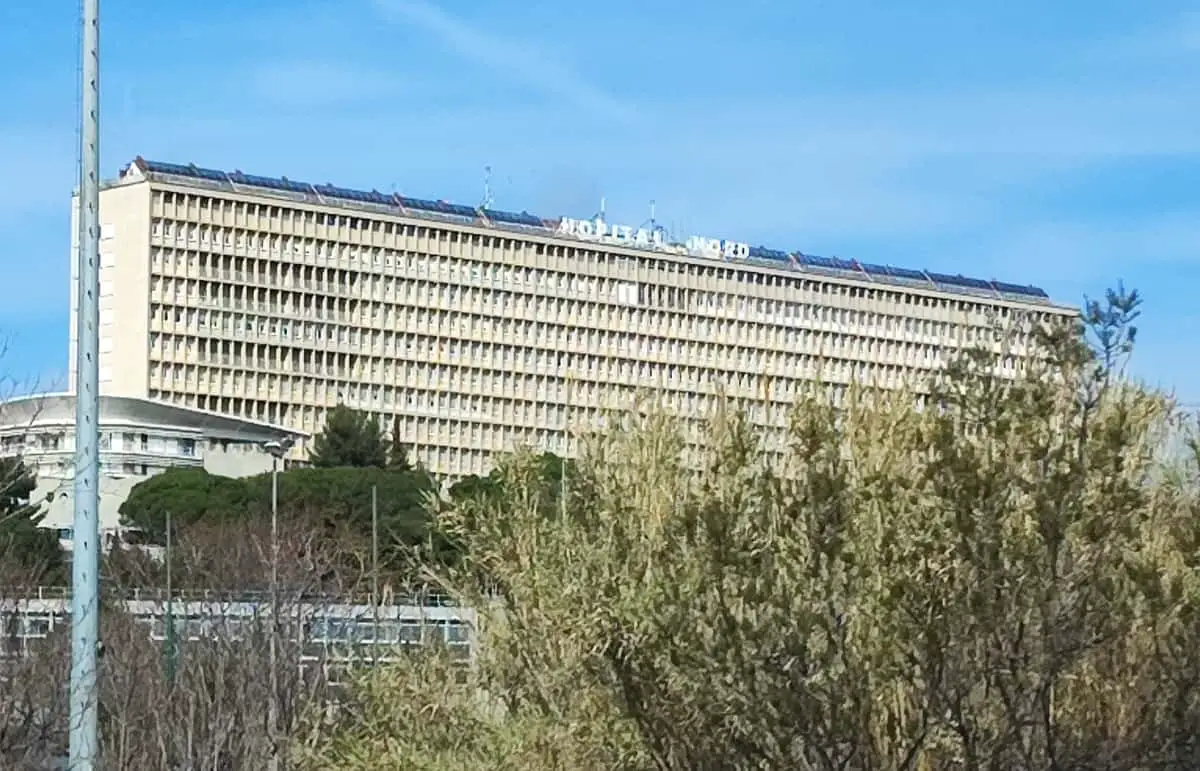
(33, 674)
(196, 699)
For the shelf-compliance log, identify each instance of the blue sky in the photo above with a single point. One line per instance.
(1048, 143)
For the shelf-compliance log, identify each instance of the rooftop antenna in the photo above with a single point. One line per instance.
(652, 223)
(487, 188)
(603, 208)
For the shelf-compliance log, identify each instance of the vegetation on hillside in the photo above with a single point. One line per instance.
(338, 495)
(1003, 579)
(354, 460)
(1002, 575)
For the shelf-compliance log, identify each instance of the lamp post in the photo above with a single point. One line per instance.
(278, 449)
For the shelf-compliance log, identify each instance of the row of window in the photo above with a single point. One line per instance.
(23, 442)
(321, 630)
(421, 299)
(291, 233)
(464, 443)
(464, 275)
(512, 345)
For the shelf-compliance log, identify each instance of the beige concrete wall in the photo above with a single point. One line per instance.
(482, 339)
(56, 488)
(235, 460)
(124, 277)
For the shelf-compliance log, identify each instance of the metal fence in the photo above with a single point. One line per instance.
(430, 598)
(328, 629)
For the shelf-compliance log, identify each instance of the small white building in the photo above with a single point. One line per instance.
(138, 438)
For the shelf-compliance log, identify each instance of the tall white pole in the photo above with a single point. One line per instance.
(85, 562)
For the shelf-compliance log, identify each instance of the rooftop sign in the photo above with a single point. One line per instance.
(624, 235)
(599, 230)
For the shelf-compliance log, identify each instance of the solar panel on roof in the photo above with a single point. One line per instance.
(1028, 291)
(763, 253)
(213, 174)
(524, 218)
(812, 259)
(420, 204)
(916, 275)
(271, 183)
(440, 207)
(374, 196)
(943, 278)
(297, 187)
(971, 283)
(169, 168)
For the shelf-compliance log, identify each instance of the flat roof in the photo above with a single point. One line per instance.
(59, 409)
(444, 211)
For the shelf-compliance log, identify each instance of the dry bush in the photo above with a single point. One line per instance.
(213, 713)
(33, 697)
(1004, 579)
(210, 709)
(317, 556)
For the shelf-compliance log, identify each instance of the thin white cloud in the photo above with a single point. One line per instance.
(896, 128)
(44, 160)
(515, 59)
(1081, 251)
(1175, 36)
(308, 83)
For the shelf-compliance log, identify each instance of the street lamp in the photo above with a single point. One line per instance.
(278, 449)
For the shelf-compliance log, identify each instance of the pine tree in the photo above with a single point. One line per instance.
(398, 459)
(350, 438)
(24, 545)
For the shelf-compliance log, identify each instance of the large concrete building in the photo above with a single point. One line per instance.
(138, 438)
(274, 300)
